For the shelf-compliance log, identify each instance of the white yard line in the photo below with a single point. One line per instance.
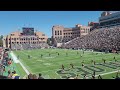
(18, 61)
(14, 57)
(106, 73)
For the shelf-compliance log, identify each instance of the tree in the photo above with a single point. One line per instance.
(1, 37)
(49, 41)
(1, 42)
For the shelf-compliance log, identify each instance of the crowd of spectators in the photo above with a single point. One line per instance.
(105, 39)
(6, 62)
(26, 46)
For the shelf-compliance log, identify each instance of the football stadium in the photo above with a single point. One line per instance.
(80, 52)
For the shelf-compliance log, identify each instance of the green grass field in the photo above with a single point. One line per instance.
(49, 65)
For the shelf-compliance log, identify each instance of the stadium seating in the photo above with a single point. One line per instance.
(26, 46)
(103, 39)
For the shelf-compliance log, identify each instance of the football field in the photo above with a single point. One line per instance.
(48, 62)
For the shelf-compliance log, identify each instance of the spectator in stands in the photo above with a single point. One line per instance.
(9, 62)
(30, 76)
(3, 77)
(9, 74)
(4, 70)
(1, 70)
(104, 40)
(40, 76)
(15, 75)
(34, 76)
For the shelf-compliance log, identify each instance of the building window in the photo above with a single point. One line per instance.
(60, 32)
(12, 34)
(55, 32)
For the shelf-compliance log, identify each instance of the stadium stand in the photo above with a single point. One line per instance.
(105, 39)
(26, 46)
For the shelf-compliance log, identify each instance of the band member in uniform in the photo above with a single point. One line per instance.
(114, 58)
(94, 62)
(18, 57)
(80, 55)
(28, 56)
(83, 51)
(58, 54)
(66, 54)
(85, 77)
(72, 65)
(99, 77)
(63, 67)
(82, 65)
(76, 77)
(93, 77)
(77, 52)
(41, 55)
(49, 54)
(82, 61)
(104, 61)
(94, 72)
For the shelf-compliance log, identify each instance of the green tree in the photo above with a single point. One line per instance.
(49, 41)
(1, 42)
(1, 37)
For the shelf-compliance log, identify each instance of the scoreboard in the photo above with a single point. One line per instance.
(28, 31)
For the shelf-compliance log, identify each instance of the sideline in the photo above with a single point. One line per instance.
(18, 61)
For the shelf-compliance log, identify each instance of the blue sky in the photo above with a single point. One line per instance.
(44, 20)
